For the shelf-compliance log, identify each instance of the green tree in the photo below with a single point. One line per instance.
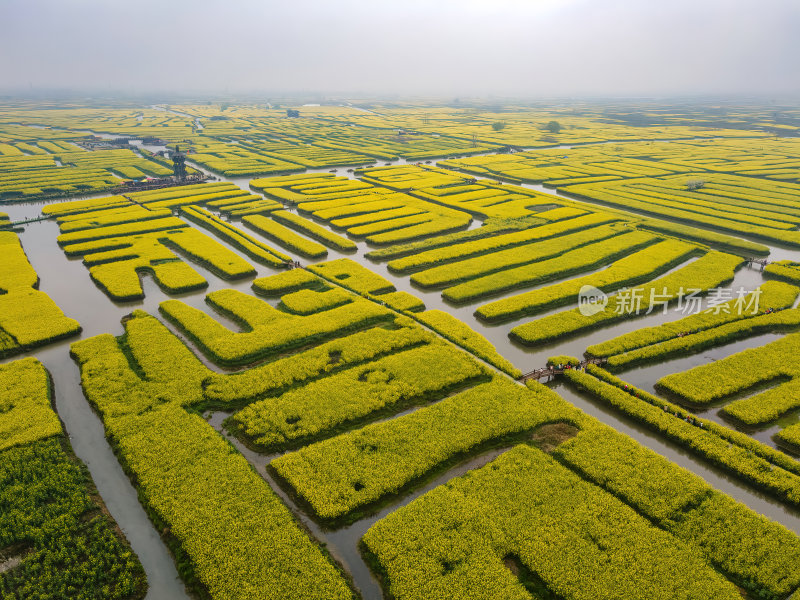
(499, 125)
(553, 127)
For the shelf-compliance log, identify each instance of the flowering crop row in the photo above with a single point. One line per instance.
(307, 302)
(110, 216)
(25, 412)
(462, 335)
(273, 378)
(325, 406)
(697, 341)
(370, 230)
(314, 230)
(767, 406)
(770, 295)
(710, 383)
(706, 384)
(733, 451)
(719, 241)
(226, 194)
(33, 319)
(707, 272)
(477, 247)
(789, 437)
(571, 261)
(288, 281)
(490, 227)
(245, 242)
(342, 474)
(353, 276)
(402, 301)
(370, 205)
(740, 316)
(251, 205)
(471, 268)
(285, 236)
(636, 268)
(112, 231)
(438, 226)
(76, 207)
(28, 318)
(785, 270)
(363, 223)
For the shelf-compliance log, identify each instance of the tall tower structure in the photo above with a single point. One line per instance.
(179, 164)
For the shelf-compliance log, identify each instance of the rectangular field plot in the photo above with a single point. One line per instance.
(765, 210)
(387, 385)
(342, 474)
(776, 364)
(339, 201)
(575, 537)
(708, 272)
(28, 318)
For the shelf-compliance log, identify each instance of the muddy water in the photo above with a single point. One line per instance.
(67, 282)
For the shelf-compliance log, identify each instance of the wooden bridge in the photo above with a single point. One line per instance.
(547, 373)
(757, 261)
(12, 225)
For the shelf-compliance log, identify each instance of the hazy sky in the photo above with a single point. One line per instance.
(411, 47)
